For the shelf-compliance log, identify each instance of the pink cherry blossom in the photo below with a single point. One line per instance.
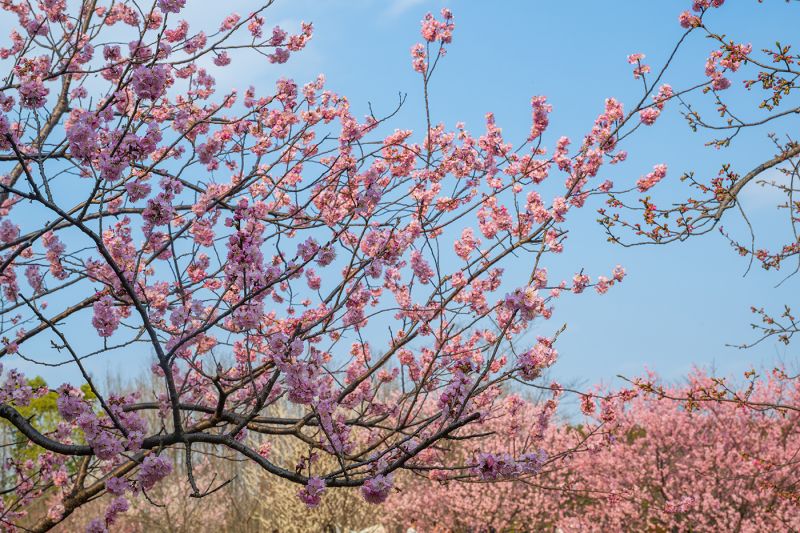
(648, 181)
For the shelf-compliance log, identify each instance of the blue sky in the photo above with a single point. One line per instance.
(680, 304)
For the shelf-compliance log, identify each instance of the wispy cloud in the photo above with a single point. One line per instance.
(765, 191)
(398, 7)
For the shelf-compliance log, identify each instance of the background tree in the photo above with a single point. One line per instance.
(667, 466)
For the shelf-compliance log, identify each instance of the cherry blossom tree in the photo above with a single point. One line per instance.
(664, 466)
(700, 466)
(262, 247)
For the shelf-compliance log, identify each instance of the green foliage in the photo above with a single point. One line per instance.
(42, 411)
(636, 432)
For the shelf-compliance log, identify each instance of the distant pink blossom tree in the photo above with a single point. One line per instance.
(261, 246)
(660, 466)
(704, 466)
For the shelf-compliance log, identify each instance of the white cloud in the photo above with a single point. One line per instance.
(398, 7)
(766, 191)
